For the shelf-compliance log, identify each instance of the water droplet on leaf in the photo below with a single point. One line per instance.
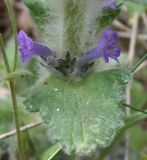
(56, 89)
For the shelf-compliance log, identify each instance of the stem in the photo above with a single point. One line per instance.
(51, 152)
(4, 55)
(139, 63)
(16, 117)
(13, 96)
(136, 109)
(14, 28)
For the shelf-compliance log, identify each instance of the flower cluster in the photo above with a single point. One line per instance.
(106, 48)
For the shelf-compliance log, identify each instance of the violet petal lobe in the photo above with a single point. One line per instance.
(106, 48)
(107, 45)
(111, 4)
(29, 48)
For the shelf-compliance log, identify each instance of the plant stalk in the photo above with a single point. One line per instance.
(139, 63)
(136, 109)
(14, 28)
(16, 117)
(5, 58)
(14, 101)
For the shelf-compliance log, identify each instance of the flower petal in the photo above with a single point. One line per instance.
(111, 4)
(29, 48)
(107, 48)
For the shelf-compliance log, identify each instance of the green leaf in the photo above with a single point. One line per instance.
(133, 120)
(51, 152)
(108, 16)
(6, 116)
(69, 25)
(143, 156)
(143, 2)
(130, 121)
(138, 138)
(82, 115)
(138, 94)
(134, 7)
(13, 75)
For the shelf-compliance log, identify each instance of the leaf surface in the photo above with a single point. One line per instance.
(67, 25)
(81, 115)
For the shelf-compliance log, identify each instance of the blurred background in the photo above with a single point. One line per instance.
(131, 25)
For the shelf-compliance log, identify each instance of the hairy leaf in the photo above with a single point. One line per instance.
(81, 115)
(70, 25)
(134, 119)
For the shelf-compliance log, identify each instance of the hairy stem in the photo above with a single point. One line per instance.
(14, 28)
(14, 101)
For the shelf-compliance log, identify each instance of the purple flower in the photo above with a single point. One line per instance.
(106, 48)
(29, 48)
(111, 4)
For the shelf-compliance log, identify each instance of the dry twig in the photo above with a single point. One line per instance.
(121, 26)
(22, 129)
(128, 88)
(125, 33)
